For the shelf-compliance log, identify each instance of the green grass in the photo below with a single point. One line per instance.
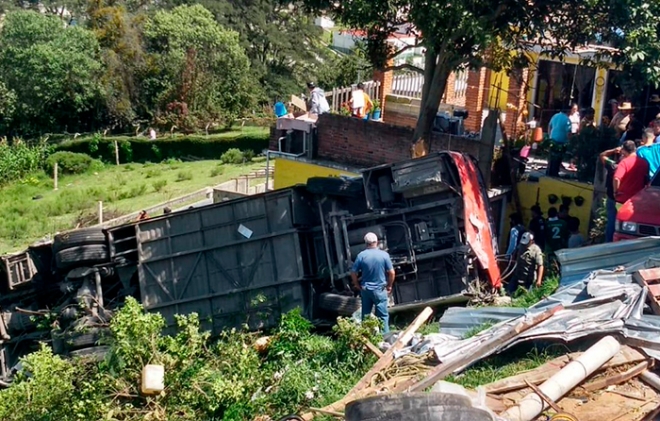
(123, 189)
(505, 365)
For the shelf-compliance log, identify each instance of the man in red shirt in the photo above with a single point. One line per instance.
(631, 174)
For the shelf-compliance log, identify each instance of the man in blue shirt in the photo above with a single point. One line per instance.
(559, 129)
(376, 281)
(650, 152)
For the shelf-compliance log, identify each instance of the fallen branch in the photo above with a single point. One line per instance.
(481, 350)
(373, 348)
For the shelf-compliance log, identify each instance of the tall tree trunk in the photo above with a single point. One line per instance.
(436, 75)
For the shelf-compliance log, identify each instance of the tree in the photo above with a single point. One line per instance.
(343, 70)
(282, 42)
(198, 70)
(473, 33)
(52, 72)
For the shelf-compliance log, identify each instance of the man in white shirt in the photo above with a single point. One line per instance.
(574, 117)
(317, 102)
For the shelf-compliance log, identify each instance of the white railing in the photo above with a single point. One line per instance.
(460, 83)
(339, 96)
(409, 85)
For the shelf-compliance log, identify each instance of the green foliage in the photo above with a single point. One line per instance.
(184, 176)
(52, 71)
(201, 66)
(283, 44)
(344, 70)
(218, 170)
(70, 163)
(232, 156)
(597, 232)
(159, 185)
(228, 379)
(248, 155)
(586, 147)
(526, 299)
(21, 159)
(142, 150)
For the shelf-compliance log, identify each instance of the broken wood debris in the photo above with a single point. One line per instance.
(613, 370)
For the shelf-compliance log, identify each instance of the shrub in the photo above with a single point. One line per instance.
(159, 185)
(184, 175)
(142, 149)
(248, 154)
(232, 156)
(70, 162)
(219, 170)
(153, 172)
(20, 159)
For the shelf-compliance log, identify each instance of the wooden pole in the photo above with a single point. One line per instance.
(55, 174)
(100, 212)
(116, 153)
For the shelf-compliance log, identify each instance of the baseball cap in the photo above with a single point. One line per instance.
(526, 238)
(370, 238)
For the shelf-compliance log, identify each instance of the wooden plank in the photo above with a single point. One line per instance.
(616, 379)
(374, 349)
(642, 277)
(444, 369)
(654, 290)
(538, 375)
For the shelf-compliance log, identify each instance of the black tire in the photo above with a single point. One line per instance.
(80, 340)
(81, 256)
(80, 237)
(343, 305)
(94, 353)
(414, 407)
(335, 186)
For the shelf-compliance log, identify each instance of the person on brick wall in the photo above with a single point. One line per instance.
(317, 103)
(360, 102)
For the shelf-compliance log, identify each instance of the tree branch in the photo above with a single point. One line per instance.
(417, 44)
(404, 66)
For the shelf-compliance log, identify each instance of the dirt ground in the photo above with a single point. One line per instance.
(630, 401)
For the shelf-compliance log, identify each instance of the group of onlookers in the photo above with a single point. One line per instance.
(528, 244)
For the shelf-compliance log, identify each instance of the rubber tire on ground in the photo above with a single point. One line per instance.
(335, 186)
(79, 256)
(343, 305)
(80, 237)
(414, 407)
(94, 353)
(81, 340)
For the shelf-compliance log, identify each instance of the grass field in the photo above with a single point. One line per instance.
(31, 209)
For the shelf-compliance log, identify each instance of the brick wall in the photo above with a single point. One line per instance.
(365, 143)
(475, 98)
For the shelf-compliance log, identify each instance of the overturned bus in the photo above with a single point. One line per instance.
(249, 260)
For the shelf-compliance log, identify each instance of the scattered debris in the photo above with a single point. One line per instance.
(611, 380)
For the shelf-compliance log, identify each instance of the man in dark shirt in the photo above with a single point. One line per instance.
(564, 212)
(529, 265)
(609, 159)
(537, 226)
(556, 232)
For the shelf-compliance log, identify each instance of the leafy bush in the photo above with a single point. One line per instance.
(228, 379)
(586, 146)
(248, 154)
(20, 160)
(219, 170)
(184, 176)
(232, 156)
(143, 150)
(159, 185)
(70, 163)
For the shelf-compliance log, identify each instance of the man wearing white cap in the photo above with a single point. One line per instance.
(529, 265)
(376, 281)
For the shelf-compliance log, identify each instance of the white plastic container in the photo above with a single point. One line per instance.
(153, 379)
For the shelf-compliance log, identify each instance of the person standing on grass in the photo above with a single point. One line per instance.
(376, 281)
(537, 226)
(529, 265)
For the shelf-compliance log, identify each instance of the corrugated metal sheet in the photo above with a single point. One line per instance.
(603, 303)
(579, 262)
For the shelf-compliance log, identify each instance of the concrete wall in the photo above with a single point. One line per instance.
(530, 190)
